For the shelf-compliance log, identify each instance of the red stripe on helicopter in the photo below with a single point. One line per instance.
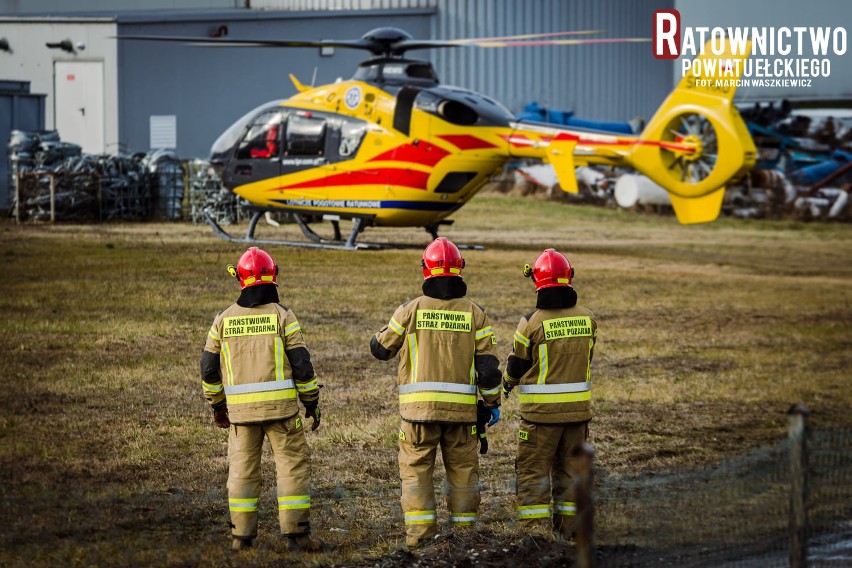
(521, 140)
(624, 142)
(419, 153)
(377, 176)
(466, 142)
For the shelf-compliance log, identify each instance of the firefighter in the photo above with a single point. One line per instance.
(446, 357)
(551, 361)
(253, 367)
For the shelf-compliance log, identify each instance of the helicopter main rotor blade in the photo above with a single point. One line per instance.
(590, 41)
(392, 47)
(411, 44)
(228, 42)
(528, 36)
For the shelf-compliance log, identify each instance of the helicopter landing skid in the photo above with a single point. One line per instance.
(315, 240)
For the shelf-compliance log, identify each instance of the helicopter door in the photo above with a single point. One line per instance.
(304, 144)
(259, 152)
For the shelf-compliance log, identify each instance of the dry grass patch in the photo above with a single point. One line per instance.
(108, 456)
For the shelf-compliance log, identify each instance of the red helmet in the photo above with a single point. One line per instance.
(255, 267)
(551, 269)
(441, 258)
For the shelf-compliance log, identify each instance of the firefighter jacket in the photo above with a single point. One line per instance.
(255, 360)
(551, 363)
(446, 357)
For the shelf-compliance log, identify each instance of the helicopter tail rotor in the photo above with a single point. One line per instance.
(697, 141)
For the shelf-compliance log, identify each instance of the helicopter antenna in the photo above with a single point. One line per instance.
(314, 78)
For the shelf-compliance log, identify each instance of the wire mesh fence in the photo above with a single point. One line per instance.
(735, 514)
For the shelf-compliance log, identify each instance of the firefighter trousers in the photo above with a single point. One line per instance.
(545, 470)
(292, 464)
(418, 445)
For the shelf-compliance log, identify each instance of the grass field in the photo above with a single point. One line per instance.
(107, 451)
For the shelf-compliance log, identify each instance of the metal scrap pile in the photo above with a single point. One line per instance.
(54, 180)
(166, 177)
(804, 164)
(208, 198)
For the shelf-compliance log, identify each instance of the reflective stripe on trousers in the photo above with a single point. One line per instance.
(566, 508)
(236, 505)
(534, 511)
(420, 517)
(291, 502)
(463, 518)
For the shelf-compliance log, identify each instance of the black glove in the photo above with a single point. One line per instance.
(483, 415)
(220, 417)
(313, 411)
(507, 389)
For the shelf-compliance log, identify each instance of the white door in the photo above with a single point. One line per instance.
(79, 89)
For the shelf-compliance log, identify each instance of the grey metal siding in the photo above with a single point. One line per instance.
(602, 82)
(67, 6)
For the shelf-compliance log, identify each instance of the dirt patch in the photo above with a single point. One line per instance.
(481, 548)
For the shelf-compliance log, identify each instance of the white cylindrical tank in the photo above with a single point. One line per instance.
(841, 199)
(632, 189)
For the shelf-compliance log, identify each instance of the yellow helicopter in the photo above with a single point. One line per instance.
(393, 147)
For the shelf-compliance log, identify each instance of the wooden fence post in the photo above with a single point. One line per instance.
(584, 521)
(797, 420)
(18, 197)
(52, 198)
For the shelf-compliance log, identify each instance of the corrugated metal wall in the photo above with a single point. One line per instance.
(345, 4)
(603, 82)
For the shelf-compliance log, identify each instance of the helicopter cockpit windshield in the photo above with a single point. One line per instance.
(263, 139)
(222, 147)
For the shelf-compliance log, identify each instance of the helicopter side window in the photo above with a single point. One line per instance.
(263, 138)
(305, 136)
(351, 135)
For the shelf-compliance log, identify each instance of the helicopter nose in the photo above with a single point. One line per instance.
(217, 167)
(217, 159)
(240, 191)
